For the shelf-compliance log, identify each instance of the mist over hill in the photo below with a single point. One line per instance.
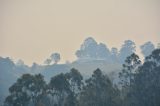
(90, 56)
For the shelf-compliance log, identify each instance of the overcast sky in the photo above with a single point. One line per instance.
(32, 29)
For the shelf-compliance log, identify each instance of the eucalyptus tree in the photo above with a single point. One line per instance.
(99, 91)
(28, 88)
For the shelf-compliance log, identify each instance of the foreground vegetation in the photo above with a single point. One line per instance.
(139, 85)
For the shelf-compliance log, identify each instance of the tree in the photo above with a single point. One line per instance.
(27, 89)
(127, 74)
(60, 88)
(75, 79)
(145, 90)
(48, 61)
(130, 66)
(126, 50)
(38, 88)
(91, 50)
(147, 48)
(88, 49)
(18, 95)
(55, 57)
(103, 52)
(98, 91)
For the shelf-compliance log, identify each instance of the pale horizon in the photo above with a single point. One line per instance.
(31, 30)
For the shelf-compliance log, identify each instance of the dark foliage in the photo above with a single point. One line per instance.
(139, 86)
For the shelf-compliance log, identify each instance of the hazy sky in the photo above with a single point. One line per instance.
(32, 29)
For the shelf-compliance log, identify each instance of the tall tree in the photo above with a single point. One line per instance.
(103, 52)
(98, 91)
(91, 50)
(145, 91)
(75, 79)
(27, 89)
(127, 74)
(147, 48)
(130, 66)
(126, 50)
(60, 88)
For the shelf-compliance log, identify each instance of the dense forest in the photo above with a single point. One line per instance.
(138, 85)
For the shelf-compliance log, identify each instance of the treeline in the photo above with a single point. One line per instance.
(92, 50)
(139, 85)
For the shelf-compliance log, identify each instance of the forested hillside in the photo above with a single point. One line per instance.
(139, 85)
(121, 70)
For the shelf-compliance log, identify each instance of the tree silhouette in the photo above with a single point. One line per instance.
(147, 48)
(55, 57)
(126, 50)
(145, 90)
(60, 88)
(27, 89)
(98, 91)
